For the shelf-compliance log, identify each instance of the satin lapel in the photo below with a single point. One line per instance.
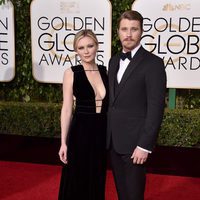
(130, 69)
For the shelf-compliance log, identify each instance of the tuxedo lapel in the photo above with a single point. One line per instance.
(130, 69)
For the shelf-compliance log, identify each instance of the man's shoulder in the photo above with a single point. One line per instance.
(114, 58)
(151, 55)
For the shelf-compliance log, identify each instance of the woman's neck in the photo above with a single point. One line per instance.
(90, 66)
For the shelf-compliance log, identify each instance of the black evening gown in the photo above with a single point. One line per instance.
(83, 178)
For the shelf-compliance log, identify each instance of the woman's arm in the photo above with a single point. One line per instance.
(66, 112)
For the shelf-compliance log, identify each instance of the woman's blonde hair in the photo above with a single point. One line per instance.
(83, 33)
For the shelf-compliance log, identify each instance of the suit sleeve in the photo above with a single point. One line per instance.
(155, 80)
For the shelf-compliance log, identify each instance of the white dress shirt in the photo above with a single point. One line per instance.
(124, 63)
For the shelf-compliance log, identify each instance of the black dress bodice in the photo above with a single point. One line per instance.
(83, 91)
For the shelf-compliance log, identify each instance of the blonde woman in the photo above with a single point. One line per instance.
(83, 131)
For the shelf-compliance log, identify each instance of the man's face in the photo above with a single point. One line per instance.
(129, 33)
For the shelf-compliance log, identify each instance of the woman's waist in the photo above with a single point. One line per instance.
(90, 107)
(89, 111)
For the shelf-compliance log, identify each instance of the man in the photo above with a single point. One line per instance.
(136, 105)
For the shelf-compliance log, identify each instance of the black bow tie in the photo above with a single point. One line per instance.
(123, 56)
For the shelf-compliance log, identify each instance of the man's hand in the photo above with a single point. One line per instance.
(139, 156)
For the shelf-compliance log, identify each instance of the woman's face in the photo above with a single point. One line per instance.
(86, 49)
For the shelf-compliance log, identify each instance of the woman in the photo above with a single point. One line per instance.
(83, 134)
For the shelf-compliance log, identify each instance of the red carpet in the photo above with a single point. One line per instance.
(26, 181)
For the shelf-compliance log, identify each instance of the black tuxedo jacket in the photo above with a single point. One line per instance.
(136, 105)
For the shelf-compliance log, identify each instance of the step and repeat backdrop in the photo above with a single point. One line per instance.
(171, 31)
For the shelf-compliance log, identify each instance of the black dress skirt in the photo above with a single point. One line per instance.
(83, 178)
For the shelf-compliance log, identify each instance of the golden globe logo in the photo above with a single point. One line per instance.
(181, 39)
(57, 38)
(52, 34)
(172, 33)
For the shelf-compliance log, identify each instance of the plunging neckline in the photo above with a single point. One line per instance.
(91, 84)
(98, 108)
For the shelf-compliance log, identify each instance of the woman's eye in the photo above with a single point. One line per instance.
(90, 46)
(80, 48)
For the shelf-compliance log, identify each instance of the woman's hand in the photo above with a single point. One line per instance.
(63, 153)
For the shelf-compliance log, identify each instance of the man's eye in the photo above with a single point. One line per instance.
(123, 29)
(134, 29)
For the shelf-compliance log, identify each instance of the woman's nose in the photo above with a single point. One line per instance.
(86, 50)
